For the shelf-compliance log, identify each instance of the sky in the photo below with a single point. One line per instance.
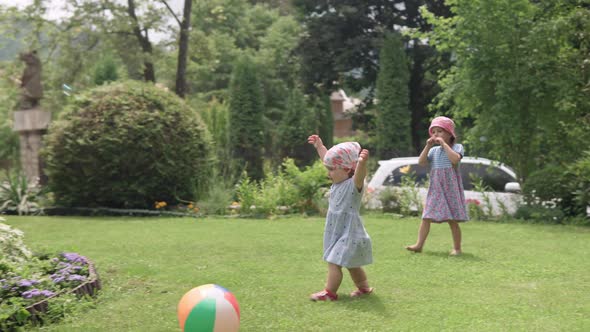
(56, 10)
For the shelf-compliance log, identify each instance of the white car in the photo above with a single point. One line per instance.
(503, 188)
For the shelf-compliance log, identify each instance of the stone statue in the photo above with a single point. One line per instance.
(32, 89)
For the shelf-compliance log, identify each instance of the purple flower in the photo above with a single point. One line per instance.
(57, 278)
(27, 283)
(76, 277)
(63, 265)
(74, 257)
(36, 293)
(31, 293)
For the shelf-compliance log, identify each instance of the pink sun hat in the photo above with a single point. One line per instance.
(444, 123)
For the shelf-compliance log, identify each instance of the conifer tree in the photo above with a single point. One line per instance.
(296, 125)
(245, 120)
(325, 122)
(393, 114)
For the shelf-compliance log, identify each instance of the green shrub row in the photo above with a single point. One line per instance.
(558, 191)
(288, 190)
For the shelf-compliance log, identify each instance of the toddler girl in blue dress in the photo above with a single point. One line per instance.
(346, 243)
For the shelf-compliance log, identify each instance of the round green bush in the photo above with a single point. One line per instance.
(127, 145)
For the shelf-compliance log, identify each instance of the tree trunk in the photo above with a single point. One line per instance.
(144, 41)
(183, 50)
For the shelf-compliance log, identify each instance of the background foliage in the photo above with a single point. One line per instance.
(513, 74)
(519, 76)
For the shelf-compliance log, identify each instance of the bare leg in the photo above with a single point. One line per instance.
(456, 232)
(334, 277)
(422, 235)
(333, 282)
(359, 277)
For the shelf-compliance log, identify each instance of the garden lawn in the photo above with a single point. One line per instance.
(512, 277)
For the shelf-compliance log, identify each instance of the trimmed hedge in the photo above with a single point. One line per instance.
(127, 145)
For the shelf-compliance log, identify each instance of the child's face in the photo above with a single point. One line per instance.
(439, 132)
(337, 175)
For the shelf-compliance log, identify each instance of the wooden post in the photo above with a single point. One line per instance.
(31, 125)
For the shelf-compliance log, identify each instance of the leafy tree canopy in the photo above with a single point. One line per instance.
(519, 75)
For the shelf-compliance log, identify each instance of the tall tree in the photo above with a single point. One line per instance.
(519, 75)
(285, 6)
(180, 87)
(342, 46)
(425, 63)
(224, 29)
(142, 36)
(393, 114)
(246, 110)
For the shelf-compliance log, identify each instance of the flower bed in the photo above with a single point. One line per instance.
(40, 288)
(90, 286)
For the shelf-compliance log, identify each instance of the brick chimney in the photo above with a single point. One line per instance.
(342, 121)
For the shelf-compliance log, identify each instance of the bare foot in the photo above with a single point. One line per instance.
(414, 248)
(455, 252)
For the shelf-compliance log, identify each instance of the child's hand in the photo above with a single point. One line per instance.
(439, 141)
(431, 141)
(363, 156)
(315, 140)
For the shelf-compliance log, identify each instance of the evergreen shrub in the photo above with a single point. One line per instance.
(246, 109)
(297, 122)
(127, 145)
(578, 183)
(546, 189)
(105, 71)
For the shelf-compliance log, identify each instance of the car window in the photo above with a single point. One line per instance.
(493, 177)
(395, 177)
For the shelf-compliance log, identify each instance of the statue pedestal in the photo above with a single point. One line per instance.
(31, 125)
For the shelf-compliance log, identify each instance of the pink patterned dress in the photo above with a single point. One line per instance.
(445, 199)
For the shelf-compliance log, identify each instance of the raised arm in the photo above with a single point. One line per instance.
(423, 159)
(317, 143)
(361, 169)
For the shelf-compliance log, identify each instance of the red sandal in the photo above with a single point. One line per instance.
(360, 292)
(324, 295)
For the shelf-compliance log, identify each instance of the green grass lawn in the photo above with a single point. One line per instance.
(512, 277)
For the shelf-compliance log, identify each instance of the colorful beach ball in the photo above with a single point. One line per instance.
(209, 308)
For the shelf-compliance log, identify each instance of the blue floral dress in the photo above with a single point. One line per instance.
(445, 199)
(346, 242)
